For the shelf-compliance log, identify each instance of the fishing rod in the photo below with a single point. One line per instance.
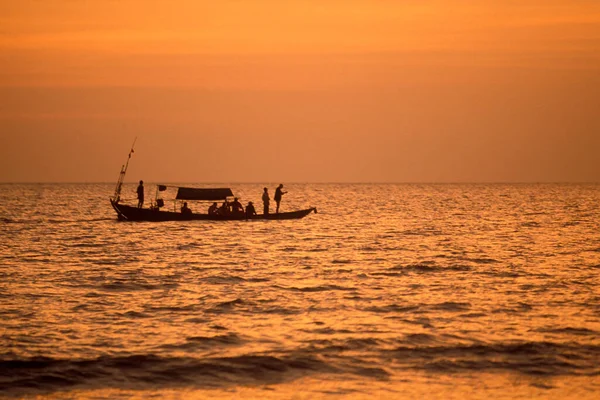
(117, 196)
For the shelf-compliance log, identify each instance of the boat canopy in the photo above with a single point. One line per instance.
(203, 194)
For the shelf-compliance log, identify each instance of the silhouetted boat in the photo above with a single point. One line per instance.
(155, 213)
(132, 213)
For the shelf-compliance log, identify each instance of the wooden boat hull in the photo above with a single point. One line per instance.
(130, 213)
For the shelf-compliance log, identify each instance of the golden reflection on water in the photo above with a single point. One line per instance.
(415, 386)
(427, 294)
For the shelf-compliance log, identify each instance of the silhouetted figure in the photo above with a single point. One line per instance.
(185, 209)
(266, 200)
(250, 211)
(224, 209)
(278, 194)
(140, 194)
(236, 206)
(213, 209)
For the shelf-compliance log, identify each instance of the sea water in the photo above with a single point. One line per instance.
(462, 291)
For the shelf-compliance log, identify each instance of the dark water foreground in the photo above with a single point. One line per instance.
(393, 291)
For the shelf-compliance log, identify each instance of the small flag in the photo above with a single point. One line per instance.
(162, 188)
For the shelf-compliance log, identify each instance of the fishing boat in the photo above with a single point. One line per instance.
(158, 212)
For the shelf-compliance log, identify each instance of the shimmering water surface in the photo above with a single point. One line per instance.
(390, 291)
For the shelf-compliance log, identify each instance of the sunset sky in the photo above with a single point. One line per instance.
(300, 91)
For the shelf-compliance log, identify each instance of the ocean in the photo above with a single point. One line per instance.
(391, 291)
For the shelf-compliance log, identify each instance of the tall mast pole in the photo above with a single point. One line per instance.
(117, 195)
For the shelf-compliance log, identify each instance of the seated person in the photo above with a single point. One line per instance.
(213, 209)
(224, 209)
(185, 209)
(236, 207)
(250, 211)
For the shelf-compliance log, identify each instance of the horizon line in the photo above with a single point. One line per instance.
(308, 182)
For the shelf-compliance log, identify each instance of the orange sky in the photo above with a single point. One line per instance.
(313, 90)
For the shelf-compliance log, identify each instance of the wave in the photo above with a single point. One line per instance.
(430, 267)
(134, 315)
(321, 288)
(252, 307)
(44, 374)
(195, 343)
(34, 221)
(129, 286)
(420, 232)
(227, 306)
(531, 358)
(93, 219)
(451, 306)
(367, 357)
(169, 309)
(481, 260)
(418, 309)
(432, 353)
(223, 279)
(570, 331)
(518, 309)
(393, 308)
(275, 310)
(232, 306)
(289, 249)
(341, 261)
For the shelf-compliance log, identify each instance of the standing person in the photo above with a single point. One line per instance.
(278, 193)
(266, 200)
(140, 194)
